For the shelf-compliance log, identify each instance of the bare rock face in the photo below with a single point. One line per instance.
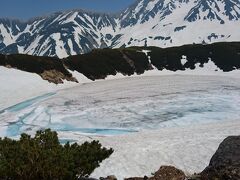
(137, 178)
(225, 163)
(111, 177)
(164, 173)
(168, 172)
(56, 77)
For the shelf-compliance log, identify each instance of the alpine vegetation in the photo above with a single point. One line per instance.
(43, 157)
(99, 64)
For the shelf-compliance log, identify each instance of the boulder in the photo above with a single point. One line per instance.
(164, 173)
(225, 163)
(168, 173)
(111, 177)
(137, 178)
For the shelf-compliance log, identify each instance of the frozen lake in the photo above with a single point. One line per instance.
(128, 105)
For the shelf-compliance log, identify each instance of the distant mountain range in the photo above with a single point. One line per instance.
(100, 63)
(162, 23)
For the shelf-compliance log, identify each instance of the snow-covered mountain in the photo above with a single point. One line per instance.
(162, 23)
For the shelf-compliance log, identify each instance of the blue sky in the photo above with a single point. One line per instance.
(25, 9)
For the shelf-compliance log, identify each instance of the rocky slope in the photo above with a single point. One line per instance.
(162, 23)
(225, 163)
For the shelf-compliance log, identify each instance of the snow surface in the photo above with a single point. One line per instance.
(17, 86)
(7, 37)
(60, 50)
(158, 118)
(15, 81)
(128, 105)
(164, 25)
(188, 148)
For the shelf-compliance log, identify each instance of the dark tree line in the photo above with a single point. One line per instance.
(43, 157)
(100, 63)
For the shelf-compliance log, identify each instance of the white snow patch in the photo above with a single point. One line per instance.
(60, 50)
(184, 60)
(7, 37)
(18, 86)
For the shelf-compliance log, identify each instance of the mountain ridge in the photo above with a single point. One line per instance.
(162, 23)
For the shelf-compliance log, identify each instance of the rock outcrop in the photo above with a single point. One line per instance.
(164, 173)
(225, 163)
(168, 172)
(56, 77)
(111, 177)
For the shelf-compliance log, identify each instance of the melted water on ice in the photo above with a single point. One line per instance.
(127, 105)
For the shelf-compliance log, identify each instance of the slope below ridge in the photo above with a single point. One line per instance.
(101, 63)
(162, 23)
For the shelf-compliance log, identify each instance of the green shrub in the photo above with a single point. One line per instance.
(43, 157)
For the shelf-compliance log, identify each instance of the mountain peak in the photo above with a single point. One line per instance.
(160, 23)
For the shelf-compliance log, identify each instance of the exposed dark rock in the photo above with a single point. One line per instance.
(164, 173)
(56, 77)
(111, 177)
(225, 163)
(137, 178)
(168, 173)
